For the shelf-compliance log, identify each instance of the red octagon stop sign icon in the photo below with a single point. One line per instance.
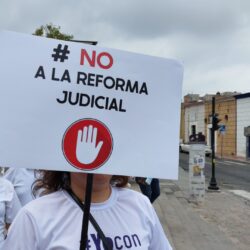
(87, 144)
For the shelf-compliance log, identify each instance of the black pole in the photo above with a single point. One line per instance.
(88, 192)
(213, 183)
(86, 213)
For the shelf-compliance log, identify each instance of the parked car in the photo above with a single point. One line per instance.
(186, 147)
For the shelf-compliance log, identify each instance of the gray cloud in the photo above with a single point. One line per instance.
(150, 19)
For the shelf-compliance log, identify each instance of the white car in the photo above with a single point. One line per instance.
(186, 147)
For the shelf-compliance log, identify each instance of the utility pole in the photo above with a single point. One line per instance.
(215, 120)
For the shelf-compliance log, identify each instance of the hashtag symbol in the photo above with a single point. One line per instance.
(60, 54)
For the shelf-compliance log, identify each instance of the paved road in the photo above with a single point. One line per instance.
(221, 222)
(229, 174)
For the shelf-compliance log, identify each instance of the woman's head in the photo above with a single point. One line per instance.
(51, 181)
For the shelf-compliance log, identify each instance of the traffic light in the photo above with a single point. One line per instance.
(216, 120)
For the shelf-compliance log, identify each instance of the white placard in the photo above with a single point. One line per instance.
(76, 107)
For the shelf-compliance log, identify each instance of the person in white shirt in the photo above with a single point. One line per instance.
(22, 180)
(54, 221)
(9, 206)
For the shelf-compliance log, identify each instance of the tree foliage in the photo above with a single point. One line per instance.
(52, 31)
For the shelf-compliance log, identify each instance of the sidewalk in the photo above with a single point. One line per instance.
(222, 222)
(233, 158)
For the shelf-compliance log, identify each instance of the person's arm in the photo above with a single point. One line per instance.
(12, 208)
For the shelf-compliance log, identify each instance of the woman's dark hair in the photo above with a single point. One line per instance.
(51, 181)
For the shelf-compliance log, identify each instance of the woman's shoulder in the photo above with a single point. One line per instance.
(128, 191)
(51, 197)
(135, 202)
(128, 194)
(50, 202)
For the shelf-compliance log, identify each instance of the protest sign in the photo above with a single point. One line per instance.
(75, 107)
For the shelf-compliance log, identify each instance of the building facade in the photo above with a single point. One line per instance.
(197, 118)
(243, 125)
(225, 140)
(194, 119)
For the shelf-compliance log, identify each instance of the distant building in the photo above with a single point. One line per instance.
(243, 125)
(191, 98)
(225, 107)
(196, 119)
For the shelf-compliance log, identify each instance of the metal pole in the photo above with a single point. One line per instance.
(88, 191)
(213, 183)
(86, 213)
(222, 141)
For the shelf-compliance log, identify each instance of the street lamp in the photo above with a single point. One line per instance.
(215, 126)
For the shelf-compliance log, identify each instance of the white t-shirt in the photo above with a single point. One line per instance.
(22, 179)
(9, 206)
(54, 221)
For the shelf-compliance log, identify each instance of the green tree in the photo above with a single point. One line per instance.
(52, 31)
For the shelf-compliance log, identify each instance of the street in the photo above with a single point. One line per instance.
(229, 174)
(221, 222)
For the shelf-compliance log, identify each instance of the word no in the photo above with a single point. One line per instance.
(100, 59)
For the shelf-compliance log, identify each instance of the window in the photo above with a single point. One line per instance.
(193, 129)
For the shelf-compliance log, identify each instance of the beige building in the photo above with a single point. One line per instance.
(225, 107)
(196, 115)
(243, 125)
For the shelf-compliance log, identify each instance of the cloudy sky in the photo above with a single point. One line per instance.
(210, 37)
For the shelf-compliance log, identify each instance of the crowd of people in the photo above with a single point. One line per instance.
(54, 220)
